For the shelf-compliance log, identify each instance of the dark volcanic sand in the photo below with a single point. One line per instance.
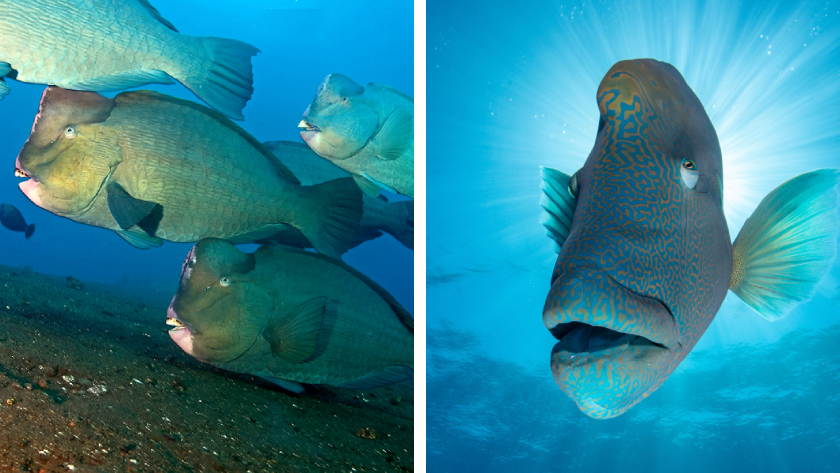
(163, 411)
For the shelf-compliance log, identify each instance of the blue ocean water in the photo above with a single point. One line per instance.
(301, 42)
(511, 87)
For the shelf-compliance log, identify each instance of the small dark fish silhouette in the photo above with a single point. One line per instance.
(11, 218)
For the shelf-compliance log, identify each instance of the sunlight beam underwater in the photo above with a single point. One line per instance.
(645, 258)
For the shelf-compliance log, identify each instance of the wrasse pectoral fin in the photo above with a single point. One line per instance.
(294, 335)
(788, 244)
(559, 205)
(395, 134)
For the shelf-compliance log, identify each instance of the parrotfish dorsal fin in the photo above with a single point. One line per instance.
(559, 205)
(294, 335)
(788, 244)
(146, 96)
(156, 14)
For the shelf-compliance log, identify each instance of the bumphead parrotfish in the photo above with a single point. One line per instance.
(367, 131)
(379, 215)
(101, 45)
(645, 258)
(152, 167)
(271, 314)
(11, 218)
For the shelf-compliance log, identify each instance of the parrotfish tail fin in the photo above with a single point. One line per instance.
(559, 205)
(788, 244)
(401, 226)
(225, 82)
(332, 226)
(29, 231)
(5, 68)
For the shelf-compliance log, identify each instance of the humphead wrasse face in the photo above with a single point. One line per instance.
(338, 123)
(217, 312)
(648, 259)
(69, 154)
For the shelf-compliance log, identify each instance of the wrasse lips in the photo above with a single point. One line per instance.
(579, 337)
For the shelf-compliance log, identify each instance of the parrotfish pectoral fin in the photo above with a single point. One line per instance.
(788, 244)
(394, 135)
(125, 209)
(366, 185)
(292, 386)
(139, 240)
(390, 375)
(29, 231)
(558, 203)
(293, 336)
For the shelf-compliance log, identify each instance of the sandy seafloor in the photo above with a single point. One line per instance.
(162, 410)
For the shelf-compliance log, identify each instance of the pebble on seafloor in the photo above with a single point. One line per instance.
(367, 433)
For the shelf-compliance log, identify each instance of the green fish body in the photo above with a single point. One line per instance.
(645, 257)
(379, 215)
(367, 131)
(100, 45)
(270, 314)
(153, 168)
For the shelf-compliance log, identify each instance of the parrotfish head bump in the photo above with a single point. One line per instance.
(339, 122)
(217, 309)
(65, 172)
(648, 258)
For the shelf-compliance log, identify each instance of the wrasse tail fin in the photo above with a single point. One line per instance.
(332, 228)
(226, 80)
(559, 205)
(788, 244)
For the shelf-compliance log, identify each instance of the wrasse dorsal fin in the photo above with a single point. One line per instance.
(127, 210)
(294, 335)
(394, 135)
(788, 244)
(559, 205)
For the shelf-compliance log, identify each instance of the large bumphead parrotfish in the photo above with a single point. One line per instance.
(645, 258)
(100, 45)
(152, 167)
(271, 314)
(378, 214)
(367, 131)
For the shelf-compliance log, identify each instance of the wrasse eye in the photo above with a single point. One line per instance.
(688, 172)
(70, 132)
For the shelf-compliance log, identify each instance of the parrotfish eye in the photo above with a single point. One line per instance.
(224, 282)
(344, 99)
(70, 132)
(688, 171)
(573, 185)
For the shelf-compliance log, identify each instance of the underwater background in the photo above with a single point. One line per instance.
(511, 87)
(301, 42)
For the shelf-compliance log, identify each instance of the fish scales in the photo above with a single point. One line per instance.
(102, 45)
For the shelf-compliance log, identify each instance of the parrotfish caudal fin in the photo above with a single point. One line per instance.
(559, 205)
(401, 226)
(29, 231)
(225, 80)
(332, 226)
(788, 244)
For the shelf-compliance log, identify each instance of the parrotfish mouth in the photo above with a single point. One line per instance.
(181, 333)
(306, 126)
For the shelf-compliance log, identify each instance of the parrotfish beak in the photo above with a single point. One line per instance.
(30, 188)
(612, 342)
(180, 334)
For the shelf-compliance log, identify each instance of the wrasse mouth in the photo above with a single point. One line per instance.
(177, 323)
(579, 337)
(306, 126)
